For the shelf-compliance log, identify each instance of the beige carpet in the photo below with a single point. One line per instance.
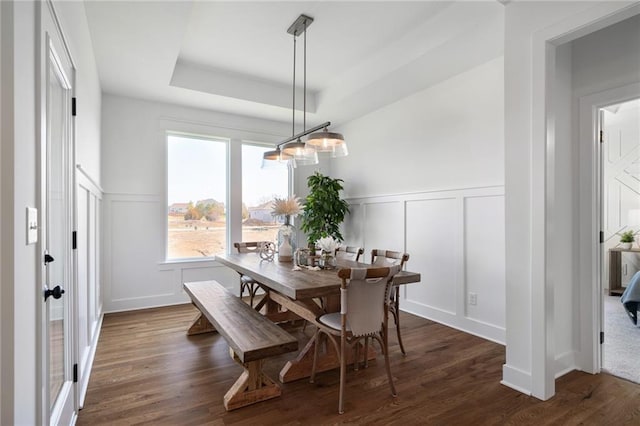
(621, 341)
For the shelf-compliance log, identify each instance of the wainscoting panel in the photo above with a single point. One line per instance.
(136, 274)
(352, 229)
(88, 295)
(485, 258)
(456, 242)
(383, 226)
(431, 244)
(133, 254)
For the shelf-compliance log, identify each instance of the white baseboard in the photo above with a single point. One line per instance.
(516, 379)
(88, 365)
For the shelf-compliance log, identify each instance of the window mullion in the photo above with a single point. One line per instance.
(234, 193)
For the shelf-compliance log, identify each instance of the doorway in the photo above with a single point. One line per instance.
(57, 318)
(620, 164)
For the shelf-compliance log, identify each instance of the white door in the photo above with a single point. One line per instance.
(57, 355)
(620, 126)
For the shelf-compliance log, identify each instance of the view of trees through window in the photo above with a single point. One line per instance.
(197, 192)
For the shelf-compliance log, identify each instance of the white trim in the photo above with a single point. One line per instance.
(542, 74)
(588, 358)
(88, 364)
(516, 379)
(84, 180)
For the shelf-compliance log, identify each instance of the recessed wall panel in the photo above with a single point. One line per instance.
(136, 233)
(352, 226)
(484, 241)
(83, 288)
(383, 227)
(431, 230)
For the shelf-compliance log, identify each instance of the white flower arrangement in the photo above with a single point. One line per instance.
(286, 206)
(328, 244)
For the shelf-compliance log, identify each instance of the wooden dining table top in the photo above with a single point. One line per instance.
(302, 284)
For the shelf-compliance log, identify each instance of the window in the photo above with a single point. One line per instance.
(259, 188)
(196, 196)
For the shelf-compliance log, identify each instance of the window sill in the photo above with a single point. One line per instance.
(167, 265)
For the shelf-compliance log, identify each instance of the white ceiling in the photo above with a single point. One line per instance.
(237, 57)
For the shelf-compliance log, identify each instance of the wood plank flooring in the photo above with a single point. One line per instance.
(147, 370)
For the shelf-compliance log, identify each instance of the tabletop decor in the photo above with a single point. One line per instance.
(324, 210)
(328, 245)
(267, 250)
(287, 236)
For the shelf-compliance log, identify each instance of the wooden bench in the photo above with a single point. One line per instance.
(251, 338)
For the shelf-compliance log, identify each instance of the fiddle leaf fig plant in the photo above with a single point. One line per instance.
(324, 210)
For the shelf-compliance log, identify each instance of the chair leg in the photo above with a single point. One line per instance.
(343, 373)
(385, 348)
(242, 286)
(396, 318)
(316, 349)
(252, 293)
(366, 352)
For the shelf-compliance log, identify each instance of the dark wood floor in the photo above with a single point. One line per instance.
(147, 370)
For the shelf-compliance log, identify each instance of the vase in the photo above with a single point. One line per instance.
(327, 261)
(626, 246)
(286, 240)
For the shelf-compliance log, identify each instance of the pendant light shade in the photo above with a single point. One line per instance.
(328, 142)
(275, 158)
(302, 155)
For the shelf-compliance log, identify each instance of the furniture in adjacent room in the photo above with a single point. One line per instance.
(616, 269)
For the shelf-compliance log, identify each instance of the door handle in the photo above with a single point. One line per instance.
(56, 292)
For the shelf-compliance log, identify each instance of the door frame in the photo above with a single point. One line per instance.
(591, 303)
(47, 22)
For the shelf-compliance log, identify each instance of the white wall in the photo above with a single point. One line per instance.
(6, 193)
(424, 175)
(134, 207)
(1, 191)
(21, 294)
(20, 289)
(537, 204)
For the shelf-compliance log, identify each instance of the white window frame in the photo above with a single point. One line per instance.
(228, 216)
(234, 139)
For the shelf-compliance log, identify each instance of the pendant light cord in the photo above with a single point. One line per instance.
(293, 109)
(304, 114)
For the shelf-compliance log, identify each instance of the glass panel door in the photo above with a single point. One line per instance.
(57, 196)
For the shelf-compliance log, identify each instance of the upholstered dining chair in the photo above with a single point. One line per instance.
(364, 296)
(246, 282)
(388, 258)
(349, 252)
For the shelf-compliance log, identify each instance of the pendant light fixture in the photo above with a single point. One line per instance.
(294, 151)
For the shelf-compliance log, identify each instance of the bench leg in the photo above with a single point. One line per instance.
(252, 386)
(200, 325)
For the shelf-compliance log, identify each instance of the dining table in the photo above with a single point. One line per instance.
(301, 293)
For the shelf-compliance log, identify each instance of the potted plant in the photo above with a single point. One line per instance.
(323, 210)
(626, 239)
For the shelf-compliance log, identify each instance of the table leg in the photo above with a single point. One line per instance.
(200, 325)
